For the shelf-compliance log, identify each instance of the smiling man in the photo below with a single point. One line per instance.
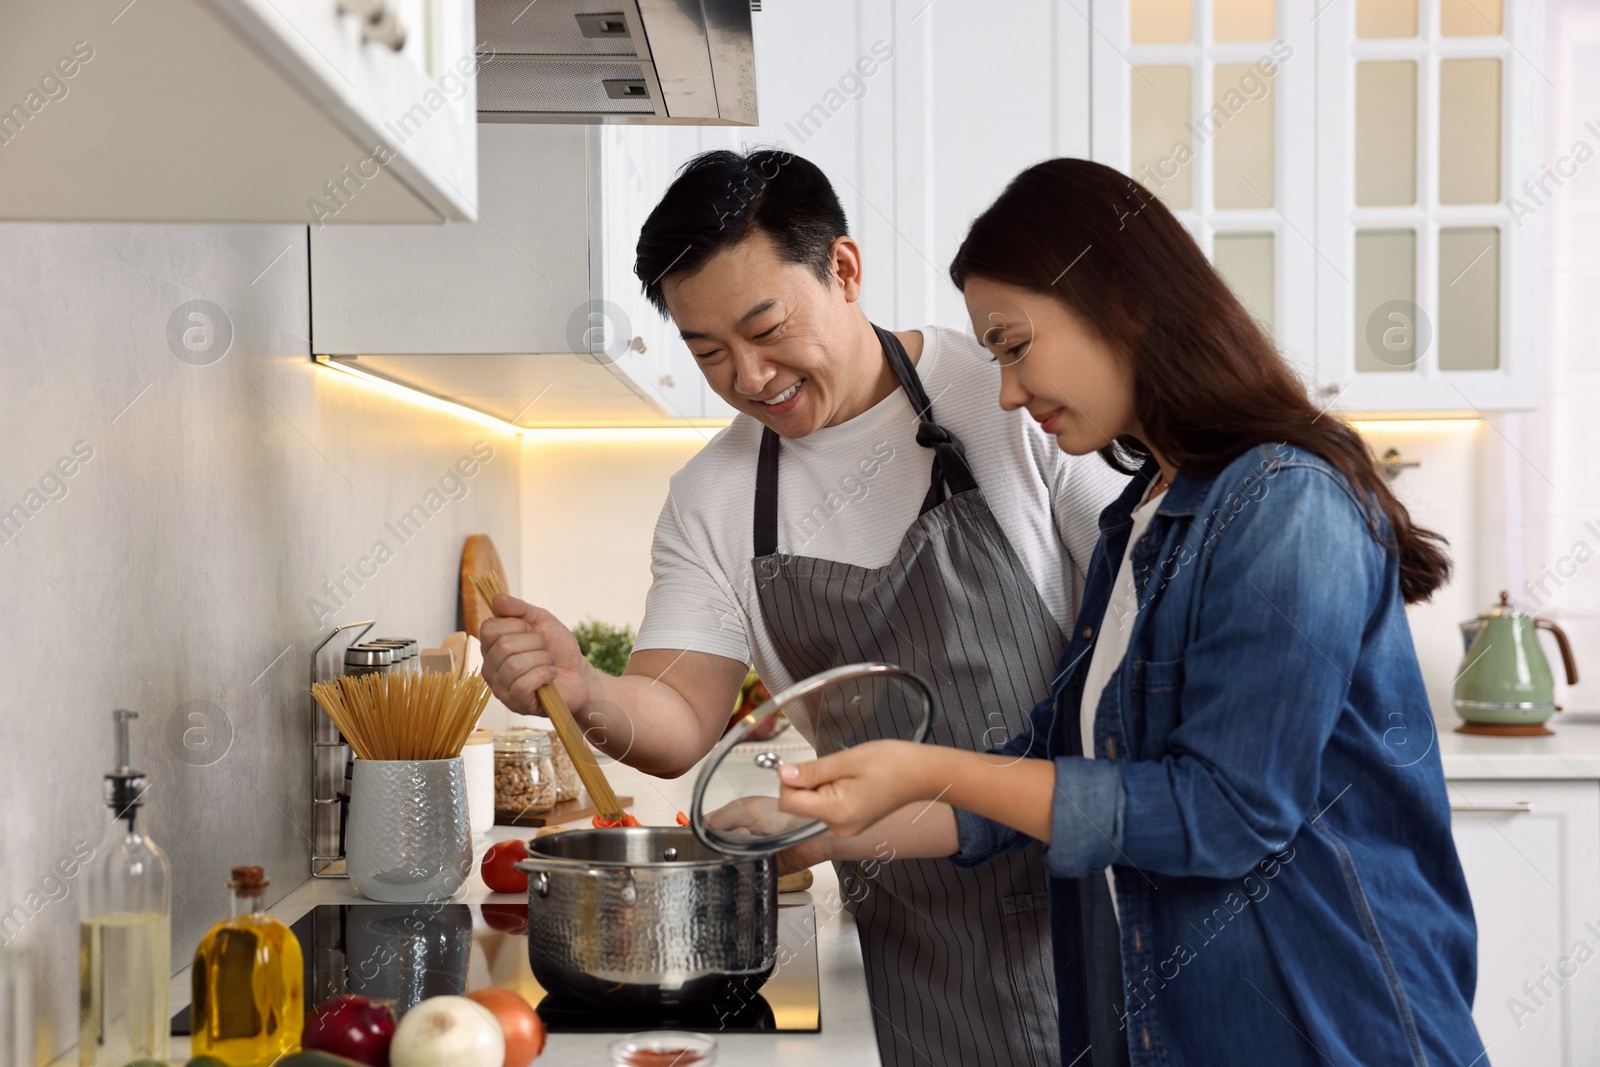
(871, 501)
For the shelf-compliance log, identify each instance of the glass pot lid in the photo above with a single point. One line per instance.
(735, 805)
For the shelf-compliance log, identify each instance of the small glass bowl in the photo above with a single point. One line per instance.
(664, 1048)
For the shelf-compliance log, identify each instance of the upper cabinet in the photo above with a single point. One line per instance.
(311, 111)
(1346, 166)
(532, 313)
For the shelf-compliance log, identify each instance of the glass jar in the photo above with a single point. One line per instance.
(524, 780)
(568, 785)
(664, 1048)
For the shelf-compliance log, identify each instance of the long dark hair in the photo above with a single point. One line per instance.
(1208, 382)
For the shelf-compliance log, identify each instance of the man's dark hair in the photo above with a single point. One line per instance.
(719, 197)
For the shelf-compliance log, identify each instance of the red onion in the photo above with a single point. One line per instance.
(353, 1027)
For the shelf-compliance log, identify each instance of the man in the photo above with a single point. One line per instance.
(871, 501)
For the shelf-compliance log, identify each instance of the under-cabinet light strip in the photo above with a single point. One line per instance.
(675, 429)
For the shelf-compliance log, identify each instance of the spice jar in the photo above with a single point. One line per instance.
(567, 784)
(524, 780)
(664, 1048)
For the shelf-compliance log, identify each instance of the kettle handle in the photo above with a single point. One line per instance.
(1566, 648)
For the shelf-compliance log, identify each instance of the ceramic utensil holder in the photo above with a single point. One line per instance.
(410, 835)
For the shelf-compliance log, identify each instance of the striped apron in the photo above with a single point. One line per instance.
(958, 961)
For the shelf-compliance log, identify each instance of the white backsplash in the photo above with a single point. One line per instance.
(219, 516)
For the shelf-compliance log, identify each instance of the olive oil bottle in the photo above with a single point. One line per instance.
(125, 937)
(248, 1006)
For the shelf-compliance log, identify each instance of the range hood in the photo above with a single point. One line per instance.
(671, 62)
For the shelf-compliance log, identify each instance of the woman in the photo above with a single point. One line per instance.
(1234, 732)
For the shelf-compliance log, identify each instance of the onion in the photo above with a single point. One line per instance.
(519, 1024)
(353, 1027)
(448, 1032)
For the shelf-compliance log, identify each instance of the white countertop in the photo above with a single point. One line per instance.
(846, 1037)
(1572, 752)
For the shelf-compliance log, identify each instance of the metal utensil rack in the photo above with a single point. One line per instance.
(329, 754)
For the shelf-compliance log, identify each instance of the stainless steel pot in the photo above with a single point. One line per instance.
(648, 916)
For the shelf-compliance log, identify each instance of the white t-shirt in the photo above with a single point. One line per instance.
(850, 492)
(1111, 644)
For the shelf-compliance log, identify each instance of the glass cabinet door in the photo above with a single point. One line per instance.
(1347, 165)
(1204, 102)
(1423, 107)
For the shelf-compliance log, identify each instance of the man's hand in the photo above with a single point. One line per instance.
(525, 647)
(853, 789)
(806, 855)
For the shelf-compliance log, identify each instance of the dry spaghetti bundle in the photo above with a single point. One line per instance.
(404, 716)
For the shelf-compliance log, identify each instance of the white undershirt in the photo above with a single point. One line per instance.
(1111, 646)
(850, 492)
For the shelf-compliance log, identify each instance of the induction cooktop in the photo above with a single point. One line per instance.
(406, 952)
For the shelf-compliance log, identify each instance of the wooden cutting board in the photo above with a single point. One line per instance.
(477, 557)
(567, 811)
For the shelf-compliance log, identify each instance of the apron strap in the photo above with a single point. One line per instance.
(952, 474)
(766, 542)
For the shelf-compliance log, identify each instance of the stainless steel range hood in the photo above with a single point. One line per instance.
(677, 62)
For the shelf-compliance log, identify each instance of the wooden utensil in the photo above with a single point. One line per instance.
(796, 881)
(490, 585)
(478, 557)
(456, 645)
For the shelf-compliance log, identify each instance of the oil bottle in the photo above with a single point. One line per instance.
(125, 936)
(248, 1005)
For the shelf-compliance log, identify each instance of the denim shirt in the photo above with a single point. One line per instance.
(1267, 786)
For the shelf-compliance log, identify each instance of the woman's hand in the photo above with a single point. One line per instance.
(853, 789)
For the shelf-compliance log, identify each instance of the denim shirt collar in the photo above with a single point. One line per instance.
(1183, 498)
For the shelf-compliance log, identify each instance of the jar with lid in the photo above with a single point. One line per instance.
(368, 659)
(524, 780)
(568, 785)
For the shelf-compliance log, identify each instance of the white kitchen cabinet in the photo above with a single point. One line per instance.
(905, 110)
(1359, 198)
(1531, 853)
(532, 313)
(239, 111)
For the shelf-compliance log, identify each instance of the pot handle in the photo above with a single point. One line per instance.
(1566, 648)
(539, 877)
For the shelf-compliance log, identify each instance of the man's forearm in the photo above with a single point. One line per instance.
(645, 723)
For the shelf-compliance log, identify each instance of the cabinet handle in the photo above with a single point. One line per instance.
(385, 28)
(1515, 807)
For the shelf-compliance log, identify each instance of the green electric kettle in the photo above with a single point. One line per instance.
(1505, 686)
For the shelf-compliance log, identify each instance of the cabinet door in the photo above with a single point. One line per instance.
(511, 282)
(1210, 105)
(1428, 262)
(1531, 853)
(411, 88)
(635, 164)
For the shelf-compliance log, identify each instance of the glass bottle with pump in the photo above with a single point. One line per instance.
(248, 1006)
(125, 936)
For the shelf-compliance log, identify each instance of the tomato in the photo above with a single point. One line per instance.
(506, 918)
(499, 871)
(600, 822)
(519, 1023)
(683, 820)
